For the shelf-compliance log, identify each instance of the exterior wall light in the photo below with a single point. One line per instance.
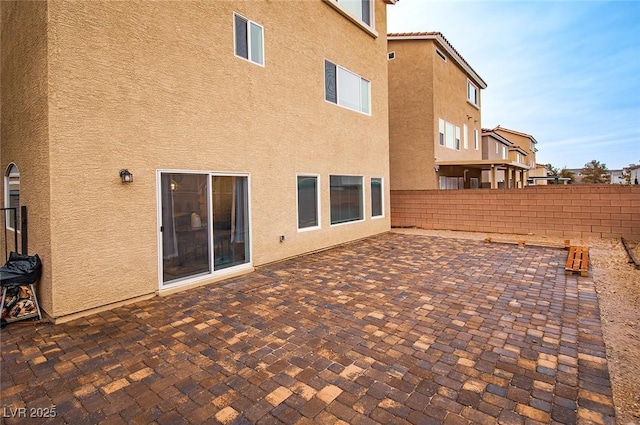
(126, 176)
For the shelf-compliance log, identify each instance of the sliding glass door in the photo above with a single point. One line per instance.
(204, 224)
(230, 221)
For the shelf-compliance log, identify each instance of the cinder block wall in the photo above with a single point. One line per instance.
(572, 211)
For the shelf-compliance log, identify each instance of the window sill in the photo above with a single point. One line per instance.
(473, 104)
(333, 3)
(308, 229)
(347, 222)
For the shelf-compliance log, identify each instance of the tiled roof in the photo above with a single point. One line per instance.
(442, 40)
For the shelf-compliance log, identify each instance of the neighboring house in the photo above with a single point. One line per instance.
(577, 175)
(434, 114)
(634, 173)
(246, 133)
(435, 135)
(506, 161)
(539, 176)
(526, 143)
(617, 177)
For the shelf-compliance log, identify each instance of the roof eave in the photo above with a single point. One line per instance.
(498, 137)
(442, 42)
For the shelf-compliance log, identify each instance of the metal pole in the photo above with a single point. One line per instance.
(23, 228)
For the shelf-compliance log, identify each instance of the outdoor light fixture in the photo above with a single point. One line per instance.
(126, 176)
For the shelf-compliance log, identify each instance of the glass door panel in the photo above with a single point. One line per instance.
(185, 215)
(230, 221)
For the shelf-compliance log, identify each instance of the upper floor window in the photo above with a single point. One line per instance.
(504, 152)
(345, 88)
(248, 39)
(12, 197)
(472, 93)
(361, 9)
(476, 141)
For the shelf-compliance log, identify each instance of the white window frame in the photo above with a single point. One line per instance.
(358, 16)
(318, 211)
(337, 84)
(382, 199)
(165, 287)
(362, 198)
(448, 135)
(441, 134)
(476, 142)
(249, 57)
(504, 152)
(475, 100)
(497, 147)
(465, 136)
(8, 176)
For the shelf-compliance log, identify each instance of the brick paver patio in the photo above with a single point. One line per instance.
(393, 329)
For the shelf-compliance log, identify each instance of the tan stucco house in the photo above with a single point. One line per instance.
(528, 145)
(435, 131)
(435, 134)
(163, 145)
(507, 162)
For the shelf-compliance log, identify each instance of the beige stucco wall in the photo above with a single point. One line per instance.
(450, 103)
(153, 86)
(489, 148)
(422, 89)
(411, 115)
(24, 122)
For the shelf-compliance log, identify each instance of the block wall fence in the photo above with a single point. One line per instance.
(571, 211)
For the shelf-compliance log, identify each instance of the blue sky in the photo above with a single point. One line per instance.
(566, 72)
